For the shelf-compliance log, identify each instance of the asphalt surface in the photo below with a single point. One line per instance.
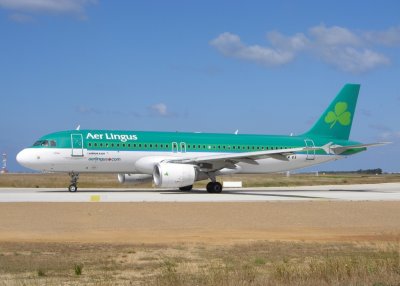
(362, 192)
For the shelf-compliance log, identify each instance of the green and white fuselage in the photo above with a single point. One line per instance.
(176, 159)
(110, 151)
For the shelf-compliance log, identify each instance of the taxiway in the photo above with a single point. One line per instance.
(361, 192)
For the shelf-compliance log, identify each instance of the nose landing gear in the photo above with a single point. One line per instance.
(74, 181)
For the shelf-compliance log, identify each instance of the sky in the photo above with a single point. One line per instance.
(264, 67)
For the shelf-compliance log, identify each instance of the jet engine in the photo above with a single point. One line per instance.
(134, 178)
(169, 175)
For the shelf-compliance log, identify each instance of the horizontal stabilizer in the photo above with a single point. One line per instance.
(337, 149)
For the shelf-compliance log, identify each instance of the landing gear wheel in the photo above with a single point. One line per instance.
(186, 188)
(214, 187)
(217, 188)
(209, 187)
(72, 188)
(74, 181)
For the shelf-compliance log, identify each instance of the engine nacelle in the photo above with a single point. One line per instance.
(169, 175)
(134, 178)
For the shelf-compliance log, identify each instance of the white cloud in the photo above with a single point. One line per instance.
(159, 109)
(333, 36)
(295, 43)
(344, 50)
(350, 59)
(389, 37)
(76, 7)
(337, 46)
(230, 45)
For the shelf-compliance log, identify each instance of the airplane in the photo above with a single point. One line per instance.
(177, 160)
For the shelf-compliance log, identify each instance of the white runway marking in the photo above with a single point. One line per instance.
(370, 192)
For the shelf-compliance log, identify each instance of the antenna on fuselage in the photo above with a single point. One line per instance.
(237, 131)
(78, 127)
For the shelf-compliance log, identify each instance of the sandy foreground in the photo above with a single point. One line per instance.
(214, 223)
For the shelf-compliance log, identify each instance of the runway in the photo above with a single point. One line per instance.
(362, 192)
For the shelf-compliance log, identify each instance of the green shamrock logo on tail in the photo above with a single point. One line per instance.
(341, 114)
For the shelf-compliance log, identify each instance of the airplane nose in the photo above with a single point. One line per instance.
(22, 157)
(25, 158)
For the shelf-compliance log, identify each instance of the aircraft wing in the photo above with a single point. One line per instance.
(246, 157)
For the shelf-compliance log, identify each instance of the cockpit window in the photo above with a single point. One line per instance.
(45, 143)
(41, 143)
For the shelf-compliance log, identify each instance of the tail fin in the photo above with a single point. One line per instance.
(336, 121)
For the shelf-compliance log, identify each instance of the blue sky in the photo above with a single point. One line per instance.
(268, 67)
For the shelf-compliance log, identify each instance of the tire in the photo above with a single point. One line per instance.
(217, 187)
(186, 188)
(210, 187)
(72, 188)
(214, 187)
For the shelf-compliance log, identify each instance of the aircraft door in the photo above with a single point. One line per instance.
(310, 153)
(77, 145)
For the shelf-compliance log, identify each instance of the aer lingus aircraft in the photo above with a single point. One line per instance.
(177, 160)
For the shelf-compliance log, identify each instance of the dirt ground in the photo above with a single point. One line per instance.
(213, 223)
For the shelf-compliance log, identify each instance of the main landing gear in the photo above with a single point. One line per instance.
(214, 187)
(74, 181)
